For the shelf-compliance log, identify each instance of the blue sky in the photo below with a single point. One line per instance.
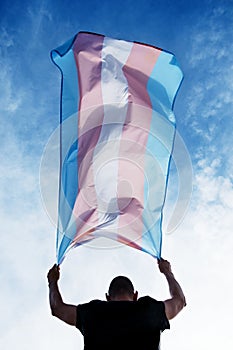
(200, 35)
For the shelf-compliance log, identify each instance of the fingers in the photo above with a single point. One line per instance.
(55, 267)
(161, 260)
(53, 274)
(164, 266)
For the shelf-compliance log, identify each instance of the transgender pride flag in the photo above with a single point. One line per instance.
(116, 137)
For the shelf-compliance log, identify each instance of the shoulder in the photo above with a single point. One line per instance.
(156, 308)
(86, 311)
(153, 304)
(90, 305)
(150, 301)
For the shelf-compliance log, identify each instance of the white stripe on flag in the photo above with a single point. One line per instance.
(114, 87)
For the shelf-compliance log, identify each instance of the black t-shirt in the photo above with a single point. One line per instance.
(121, 325)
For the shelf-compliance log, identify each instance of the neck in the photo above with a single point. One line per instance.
(123, 297)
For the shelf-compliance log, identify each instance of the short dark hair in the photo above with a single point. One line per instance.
(120, 285)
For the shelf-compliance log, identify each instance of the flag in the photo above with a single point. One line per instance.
(117, 130)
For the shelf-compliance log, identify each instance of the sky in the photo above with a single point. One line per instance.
(200, 248)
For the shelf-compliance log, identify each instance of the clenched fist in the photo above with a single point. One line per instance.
(53, 274)
(164, 266)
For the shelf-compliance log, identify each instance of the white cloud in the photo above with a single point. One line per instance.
(9, 99)
(38, 16)
(211, 186)
(6, 40)
(209, 64)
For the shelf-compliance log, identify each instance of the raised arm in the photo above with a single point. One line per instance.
(174, 305)
(64, 312)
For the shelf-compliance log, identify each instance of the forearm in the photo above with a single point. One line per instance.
(55, 298)
(174, 287)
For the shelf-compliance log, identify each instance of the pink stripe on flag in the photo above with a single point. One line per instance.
(87, 51)
(133, 143)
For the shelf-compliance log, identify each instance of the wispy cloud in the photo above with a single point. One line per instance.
(38, 16)
(9, 99)
(208, 98)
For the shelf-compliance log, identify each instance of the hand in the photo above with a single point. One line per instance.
(53, 274)
(164, 266)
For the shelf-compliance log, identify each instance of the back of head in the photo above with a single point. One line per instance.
(119, 286)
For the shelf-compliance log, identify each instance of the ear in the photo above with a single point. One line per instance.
(135, 296)
(107, 297)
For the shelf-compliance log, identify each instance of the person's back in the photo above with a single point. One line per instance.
(122, 322)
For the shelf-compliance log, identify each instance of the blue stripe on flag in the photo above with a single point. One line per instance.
(64, 59)
(162, 87)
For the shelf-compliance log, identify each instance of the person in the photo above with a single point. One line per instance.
(122, 321)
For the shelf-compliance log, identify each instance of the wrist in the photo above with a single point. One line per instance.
(52, 283)
(168, 274)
